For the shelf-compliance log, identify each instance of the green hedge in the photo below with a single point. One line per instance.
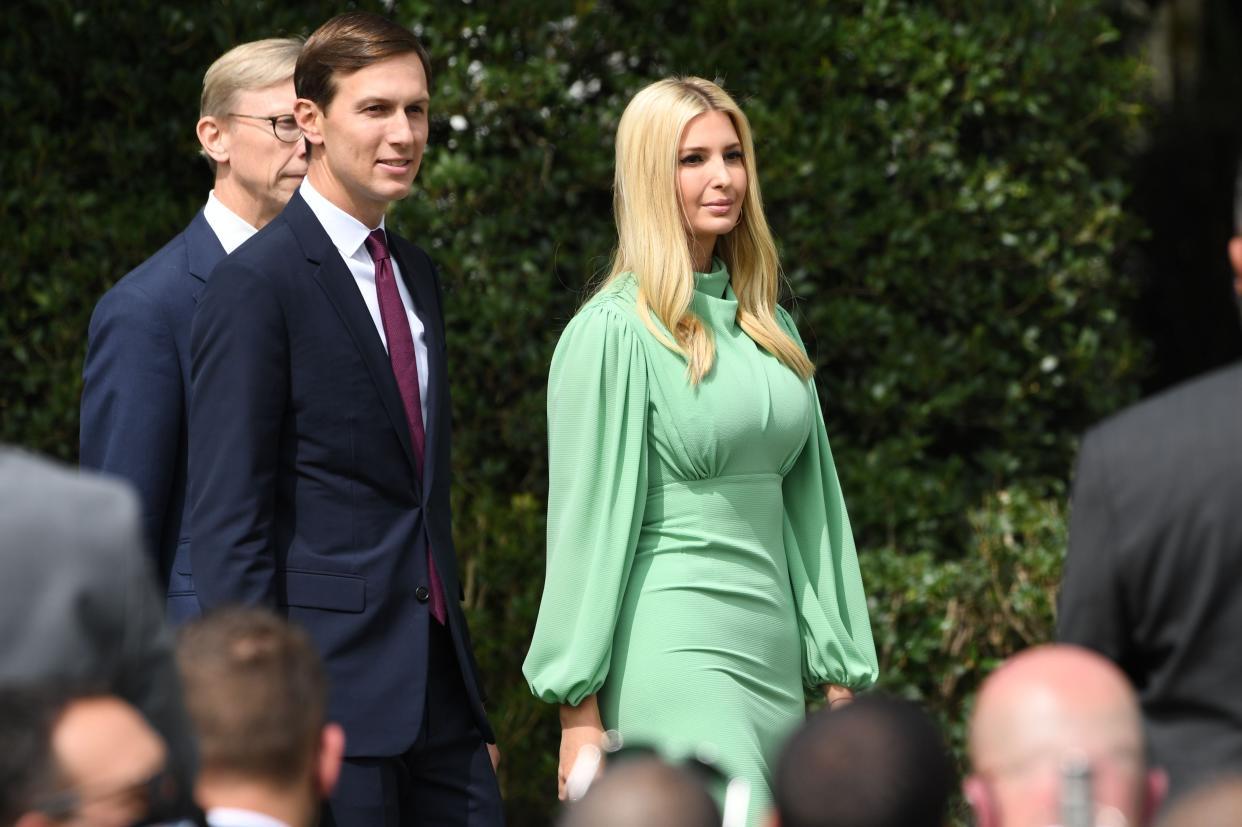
(945, 180)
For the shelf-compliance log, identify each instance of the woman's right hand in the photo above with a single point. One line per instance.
(573, 741)
(580, 727)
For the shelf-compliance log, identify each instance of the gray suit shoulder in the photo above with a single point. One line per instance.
(77, 598)
(1179, 410)
(53, 507)
(71, 557)
(1172, 449)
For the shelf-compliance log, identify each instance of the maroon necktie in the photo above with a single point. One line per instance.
(405, 369)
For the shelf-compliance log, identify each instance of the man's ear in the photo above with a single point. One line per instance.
(1155, 790)
(310, 120)
(214, 138)
(328, 763)
(976, 792)
(1235, 261)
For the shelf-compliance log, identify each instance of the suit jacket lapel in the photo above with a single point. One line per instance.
(338, 283)
(420, 282)
(203, 252)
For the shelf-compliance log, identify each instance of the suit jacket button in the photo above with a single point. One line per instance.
(422, 594)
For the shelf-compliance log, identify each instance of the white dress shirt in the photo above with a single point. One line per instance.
(237, 817)
(349, 235)
(228, 226)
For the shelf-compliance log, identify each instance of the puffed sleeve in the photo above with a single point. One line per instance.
(597, 467)
(833, 622)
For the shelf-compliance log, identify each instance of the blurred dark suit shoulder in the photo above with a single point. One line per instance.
(1153, 577)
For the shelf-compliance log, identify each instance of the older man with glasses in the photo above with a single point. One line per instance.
(137, 372)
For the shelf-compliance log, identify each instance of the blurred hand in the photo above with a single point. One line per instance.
(493, 752)
(580, 727)
(837, 695)
(573, 740)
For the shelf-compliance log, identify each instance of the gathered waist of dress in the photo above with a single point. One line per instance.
(740, 510)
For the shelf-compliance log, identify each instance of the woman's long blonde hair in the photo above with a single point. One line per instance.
(652, 237)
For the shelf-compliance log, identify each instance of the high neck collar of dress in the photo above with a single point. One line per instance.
(714, 283)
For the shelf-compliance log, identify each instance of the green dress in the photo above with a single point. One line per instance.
(701, 572)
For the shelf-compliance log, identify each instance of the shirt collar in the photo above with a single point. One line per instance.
(229, 227)
(238, 817)
(347, 233)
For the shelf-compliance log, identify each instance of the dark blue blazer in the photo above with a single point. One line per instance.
(302, 483)
(135, 396)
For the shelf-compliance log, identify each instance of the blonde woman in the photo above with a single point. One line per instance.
(701, 572)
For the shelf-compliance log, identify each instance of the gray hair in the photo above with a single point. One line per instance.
(255, 65)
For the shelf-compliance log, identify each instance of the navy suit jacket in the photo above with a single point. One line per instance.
(302, 484)
(135, 396)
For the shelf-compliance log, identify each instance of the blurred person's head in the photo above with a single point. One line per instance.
(256, 693)
(363, 85)
(1235, 243)
(686, 188)
(91, 761)
(247, 130)
(1044, 711)
(876, 762)
(27, 769)
(1216, 804)
(644, 792)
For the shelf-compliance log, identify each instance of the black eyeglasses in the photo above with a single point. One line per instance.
(284, 127)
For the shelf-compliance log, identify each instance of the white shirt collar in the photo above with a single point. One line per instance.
(229, 227)
(347, 233)
(237, 817)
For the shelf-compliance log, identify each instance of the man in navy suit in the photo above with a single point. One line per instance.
(319, 442)
(137, 373)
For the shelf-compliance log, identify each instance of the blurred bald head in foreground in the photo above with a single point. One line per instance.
(1048, 713)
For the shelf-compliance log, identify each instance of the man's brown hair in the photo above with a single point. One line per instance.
(347, 43)
(256, 692)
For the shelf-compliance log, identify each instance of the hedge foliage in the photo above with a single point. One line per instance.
(945, 180)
